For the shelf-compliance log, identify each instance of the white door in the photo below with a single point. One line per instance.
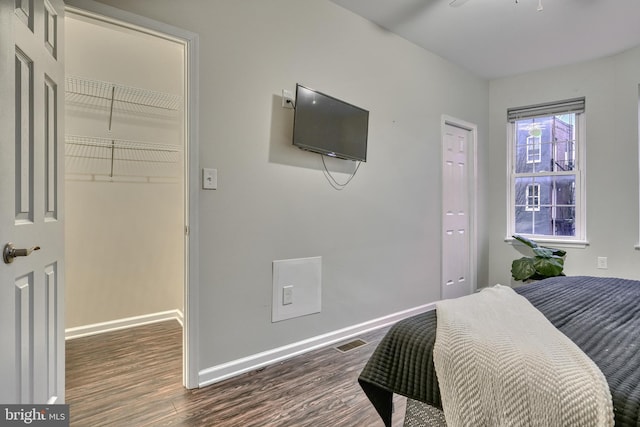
(31, 185)
(456, 236)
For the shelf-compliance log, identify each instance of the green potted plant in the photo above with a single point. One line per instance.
(545, 262)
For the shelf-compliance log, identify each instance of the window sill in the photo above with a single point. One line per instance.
(557, 243)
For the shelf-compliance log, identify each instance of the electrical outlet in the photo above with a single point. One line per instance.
(602, 262)
(287, 295)
(287, 99)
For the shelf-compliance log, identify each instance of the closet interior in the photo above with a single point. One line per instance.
(124, 176)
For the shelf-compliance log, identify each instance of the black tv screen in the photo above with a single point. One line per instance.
(326, 125)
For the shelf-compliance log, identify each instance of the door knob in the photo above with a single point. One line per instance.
(10, 252)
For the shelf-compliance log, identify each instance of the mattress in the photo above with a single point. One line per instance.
(600, 315)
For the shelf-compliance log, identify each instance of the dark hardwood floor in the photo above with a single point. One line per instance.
(134, 378)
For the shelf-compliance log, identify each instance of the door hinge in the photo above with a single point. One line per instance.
(186, 230)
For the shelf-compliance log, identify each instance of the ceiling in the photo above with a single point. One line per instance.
(498, 38)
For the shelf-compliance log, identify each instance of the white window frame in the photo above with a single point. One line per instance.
(533, 200)
(580, 237)
(534, 149)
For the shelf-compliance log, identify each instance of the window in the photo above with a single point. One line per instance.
(546, 166)
(533, 197)
(534, 153)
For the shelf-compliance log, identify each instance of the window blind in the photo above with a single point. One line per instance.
(575, 105)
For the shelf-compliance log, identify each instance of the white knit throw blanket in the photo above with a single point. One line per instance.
(500, 362)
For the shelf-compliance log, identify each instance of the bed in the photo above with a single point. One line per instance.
(600, 315)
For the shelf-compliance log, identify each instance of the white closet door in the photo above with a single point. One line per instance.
(456, 238)
(31, 187)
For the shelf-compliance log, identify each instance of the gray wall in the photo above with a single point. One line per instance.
(610, 86)
(380, 237)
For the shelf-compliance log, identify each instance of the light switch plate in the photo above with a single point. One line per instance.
(209, 179)
(287, 295)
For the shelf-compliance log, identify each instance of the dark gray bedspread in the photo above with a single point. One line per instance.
(601, 315)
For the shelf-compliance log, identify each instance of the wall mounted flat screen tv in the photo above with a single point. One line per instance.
(329, 126)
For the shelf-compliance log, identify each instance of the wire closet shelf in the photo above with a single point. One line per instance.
(111, 157)
(116, 93)
(99, 156)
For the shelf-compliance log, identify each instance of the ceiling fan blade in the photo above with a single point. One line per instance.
(457, 3)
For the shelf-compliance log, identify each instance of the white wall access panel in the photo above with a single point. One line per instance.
(296, 287)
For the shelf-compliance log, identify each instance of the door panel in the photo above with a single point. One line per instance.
(24, 141)
(31, 287)
(23, 297)
(51, 148)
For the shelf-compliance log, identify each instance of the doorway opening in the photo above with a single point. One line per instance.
(127, 177)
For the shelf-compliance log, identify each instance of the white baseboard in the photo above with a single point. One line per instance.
(129, 322)
(227, 370)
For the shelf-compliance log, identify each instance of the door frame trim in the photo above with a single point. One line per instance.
(472, 158)
(191, 178)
